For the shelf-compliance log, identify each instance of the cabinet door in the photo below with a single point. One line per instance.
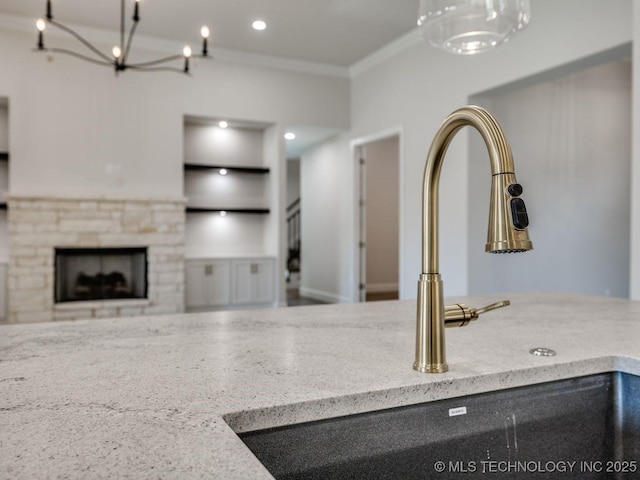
(253, 281)
(207, 284)
(262, 281)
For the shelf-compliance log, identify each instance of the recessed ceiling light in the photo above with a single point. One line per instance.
(259, 25)
(289, 135)
(223, 124)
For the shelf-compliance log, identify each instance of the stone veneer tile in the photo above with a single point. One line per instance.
(37, 225)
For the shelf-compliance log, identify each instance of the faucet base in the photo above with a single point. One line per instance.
(430, 348)
(431, 368)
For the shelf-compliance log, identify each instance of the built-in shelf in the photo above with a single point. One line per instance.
(4, 155)
(228, 210)
(197, 166)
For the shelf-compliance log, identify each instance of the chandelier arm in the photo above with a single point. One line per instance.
(80, 56)
(122, 26)
(156, 62)
(157, 69)
(82, 40)
(129, 41)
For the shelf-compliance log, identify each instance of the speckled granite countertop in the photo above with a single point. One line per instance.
(160, 397)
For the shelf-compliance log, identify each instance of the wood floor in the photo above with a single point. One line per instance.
(294, 299)
(378, 296)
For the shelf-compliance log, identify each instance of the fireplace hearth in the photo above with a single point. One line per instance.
(90, 274)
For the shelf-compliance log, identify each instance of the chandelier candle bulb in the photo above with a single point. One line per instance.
(204, 32)
(41, 25)
(186, 51)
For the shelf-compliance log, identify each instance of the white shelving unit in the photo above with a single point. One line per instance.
(231, 237)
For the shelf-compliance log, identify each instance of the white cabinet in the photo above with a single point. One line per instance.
(207, 283)
(253, 281)
(226, 283)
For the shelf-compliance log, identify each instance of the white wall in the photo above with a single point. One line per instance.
(327, 220)
(419, 86)
(275, 235)
(634, 274)
(571, 139)
(210, 235)
(382, 213)
(234, 146)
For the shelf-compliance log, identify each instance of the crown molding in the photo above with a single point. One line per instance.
(391, 49)
(270, 61)
(21, 24)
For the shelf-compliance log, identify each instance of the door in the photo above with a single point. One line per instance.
(379, 218)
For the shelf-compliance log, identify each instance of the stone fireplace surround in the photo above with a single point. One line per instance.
(39, 224)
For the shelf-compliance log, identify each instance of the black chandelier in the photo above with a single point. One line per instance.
(120, 53)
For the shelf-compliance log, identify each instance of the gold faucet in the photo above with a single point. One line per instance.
(507, 233)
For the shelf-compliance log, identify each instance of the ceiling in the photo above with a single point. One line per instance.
(331, 32)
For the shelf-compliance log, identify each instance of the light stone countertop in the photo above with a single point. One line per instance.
(160, 397)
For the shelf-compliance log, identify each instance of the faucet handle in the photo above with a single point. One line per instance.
(493, 306)
(459, 315)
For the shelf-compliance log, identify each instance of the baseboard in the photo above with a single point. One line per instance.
(382, 287)
(323, 296)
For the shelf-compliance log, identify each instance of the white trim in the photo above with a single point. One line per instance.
(374, 137)
(18, 23)
(281, 63)
(391, 49)
(323, 296)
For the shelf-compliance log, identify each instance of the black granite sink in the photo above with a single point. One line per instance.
(580, 428)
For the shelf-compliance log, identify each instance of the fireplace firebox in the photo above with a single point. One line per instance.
(90, 274)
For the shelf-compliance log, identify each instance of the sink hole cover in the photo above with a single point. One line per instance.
(542, 352)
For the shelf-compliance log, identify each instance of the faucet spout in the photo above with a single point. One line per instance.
(507, 232)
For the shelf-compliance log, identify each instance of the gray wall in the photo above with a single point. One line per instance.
(571, 140)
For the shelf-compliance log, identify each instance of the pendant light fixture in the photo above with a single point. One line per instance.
(119, 58)
(465, 27)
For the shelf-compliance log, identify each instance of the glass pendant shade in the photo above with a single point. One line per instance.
(465, 27)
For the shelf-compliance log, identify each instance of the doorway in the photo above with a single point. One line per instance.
(378, 169)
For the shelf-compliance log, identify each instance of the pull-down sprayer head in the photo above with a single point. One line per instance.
(508, 218)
